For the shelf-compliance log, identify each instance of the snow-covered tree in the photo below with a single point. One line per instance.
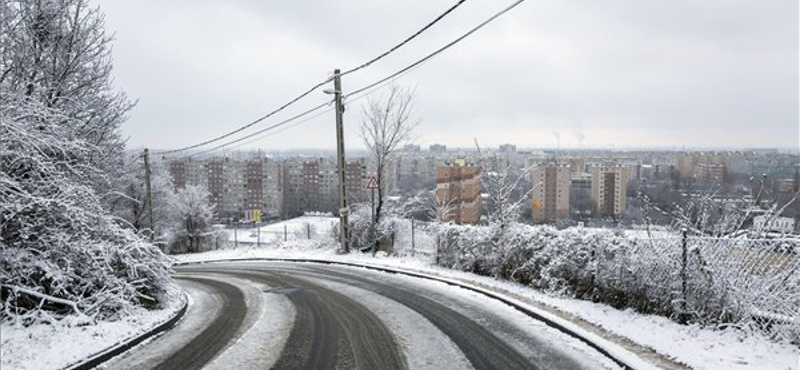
(57, 53)
(501, 183)
(191, 220)
(60, 253)
(129, 203)
(387, 126)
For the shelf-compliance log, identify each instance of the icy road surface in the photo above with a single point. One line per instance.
(256, 315)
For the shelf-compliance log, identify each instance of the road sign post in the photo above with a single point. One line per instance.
(372, 184)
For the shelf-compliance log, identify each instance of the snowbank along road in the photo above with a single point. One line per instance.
(257, 315)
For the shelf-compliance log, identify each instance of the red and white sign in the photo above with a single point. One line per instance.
(372, 184)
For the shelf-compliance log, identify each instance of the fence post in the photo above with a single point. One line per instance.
(412, 236)
(308, 230)
(436, 257)
(684, 258)
(258, 233)
(285, 235)
(235, 237)
(593, 275)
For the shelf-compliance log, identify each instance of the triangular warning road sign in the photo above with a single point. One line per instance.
(372, 183)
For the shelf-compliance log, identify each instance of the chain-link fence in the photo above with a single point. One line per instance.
(746, 283)
(743, 282)
(305, 228)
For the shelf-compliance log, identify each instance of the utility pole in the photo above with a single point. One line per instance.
(149, 195)
(344, 211)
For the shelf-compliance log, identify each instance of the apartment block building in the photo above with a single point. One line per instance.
(437, 148)
(188, 172)
(235, 186)
(686, 163)
(263, 183)
(313, 185)
(709, 172)
(609, 190)
(459, 188)
(551, 192)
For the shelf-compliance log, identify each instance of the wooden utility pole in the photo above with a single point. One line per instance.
(149, 194)
(344, 211)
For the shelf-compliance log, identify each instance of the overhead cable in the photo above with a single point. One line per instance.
(438, 51)
(315, 87)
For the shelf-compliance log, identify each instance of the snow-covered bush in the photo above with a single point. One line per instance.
(363, 233)
(710, 281)
(60, 252)
(191, 216)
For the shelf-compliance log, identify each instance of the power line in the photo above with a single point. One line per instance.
(279, 124)
(438, 51)
(379, 84)
(423, 29)
(318, 85)
(251, 124)
(226, 145)
(269, 133)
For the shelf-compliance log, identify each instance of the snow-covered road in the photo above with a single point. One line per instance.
(249, 315)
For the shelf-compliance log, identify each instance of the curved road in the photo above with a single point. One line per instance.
(258, 315)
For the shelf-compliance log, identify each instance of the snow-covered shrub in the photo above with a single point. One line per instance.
(60, 252)
(191, 216)
(363, 233)
(710, 281)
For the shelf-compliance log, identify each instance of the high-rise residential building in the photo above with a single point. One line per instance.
(551, 192)
(357, 178)
(221, 176)
(709, 172)
(234, 186)
(411, 148)
(609, 190)
(438, 148)
(313, 185)
(306, 186)
(507, 148)
(263, 181)
(216, 191)
(687, 162)
(458, 189)
(188, 172)
(580, 195)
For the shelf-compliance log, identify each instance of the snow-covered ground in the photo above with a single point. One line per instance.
(295, 229)
(52, 347)
(41, 347)
(696, 347)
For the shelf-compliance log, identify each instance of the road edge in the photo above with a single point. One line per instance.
(611, 350)
(121, 347)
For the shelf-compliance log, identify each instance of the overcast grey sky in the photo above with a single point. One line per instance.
(621, 73)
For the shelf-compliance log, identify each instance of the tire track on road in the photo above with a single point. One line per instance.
(331, 331)
(206, 345)
(482, 348)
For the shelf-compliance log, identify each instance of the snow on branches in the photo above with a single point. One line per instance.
(60, 252)
(729, 282)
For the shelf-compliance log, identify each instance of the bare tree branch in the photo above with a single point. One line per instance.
(387, 126)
